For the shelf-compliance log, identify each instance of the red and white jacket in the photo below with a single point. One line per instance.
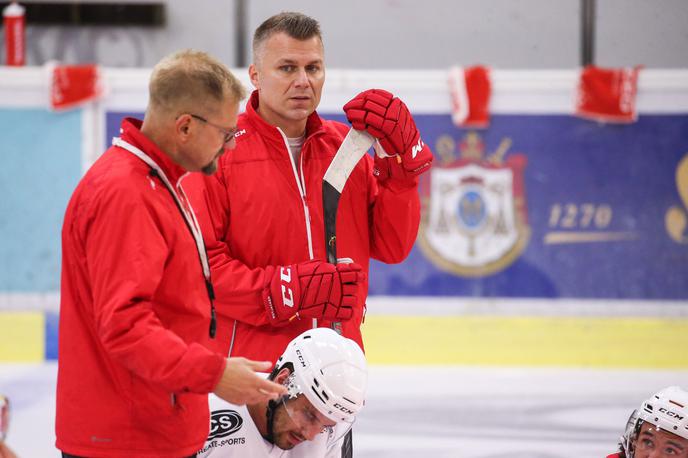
(134, 360)
(261, 209)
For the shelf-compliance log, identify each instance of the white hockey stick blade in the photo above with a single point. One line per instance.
(355, 145)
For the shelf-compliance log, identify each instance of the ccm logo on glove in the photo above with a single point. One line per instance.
(287, 294)
(311, 289)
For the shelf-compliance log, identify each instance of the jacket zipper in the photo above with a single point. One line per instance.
(301, 184)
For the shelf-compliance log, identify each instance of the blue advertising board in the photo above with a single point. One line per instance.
(41, 154)
(594, 211)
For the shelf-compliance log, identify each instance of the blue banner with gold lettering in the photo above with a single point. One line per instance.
(551, 206)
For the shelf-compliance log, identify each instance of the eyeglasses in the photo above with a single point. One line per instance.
(228, 134)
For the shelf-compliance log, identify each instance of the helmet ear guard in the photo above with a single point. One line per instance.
(329, 370)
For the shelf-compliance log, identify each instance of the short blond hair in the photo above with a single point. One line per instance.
(187, 79)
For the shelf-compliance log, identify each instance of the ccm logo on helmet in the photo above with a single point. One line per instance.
(223, 423)
(343, 409)
(300, 356)
(671, 413)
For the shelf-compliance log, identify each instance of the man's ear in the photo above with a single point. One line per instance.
(253, 75)
(282, 375)
(182, 126)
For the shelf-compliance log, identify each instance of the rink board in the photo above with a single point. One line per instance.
(534, 341)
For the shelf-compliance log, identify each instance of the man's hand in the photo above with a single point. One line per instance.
(311, 289)
(240, 385)
(388, 119)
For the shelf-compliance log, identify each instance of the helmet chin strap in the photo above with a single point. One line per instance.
(270, 415)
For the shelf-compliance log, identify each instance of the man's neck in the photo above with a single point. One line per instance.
(291, 129)
(154, 134)
(294, 131)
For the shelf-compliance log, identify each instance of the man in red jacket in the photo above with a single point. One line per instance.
(136, 311)
(263, 210)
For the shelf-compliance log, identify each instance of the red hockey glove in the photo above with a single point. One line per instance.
(311, 289)
(388, 119)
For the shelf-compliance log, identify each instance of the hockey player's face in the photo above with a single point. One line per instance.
(289, 75)
(654, 443)
(295, 421)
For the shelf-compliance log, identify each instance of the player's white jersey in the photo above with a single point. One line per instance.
(234, 435)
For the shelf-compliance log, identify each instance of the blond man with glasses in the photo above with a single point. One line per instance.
(137, 318)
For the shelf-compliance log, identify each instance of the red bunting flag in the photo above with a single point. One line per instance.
(74, 85)
(470, 90)
(608, 94)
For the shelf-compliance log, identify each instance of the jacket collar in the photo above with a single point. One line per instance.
(314, 124)
(131, 133)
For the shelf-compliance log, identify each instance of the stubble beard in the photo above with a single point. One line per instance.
(210, 168)
(281, 438)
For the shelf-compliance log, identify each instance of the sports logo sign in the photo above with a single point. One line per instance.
(475, 220)
(223, 423)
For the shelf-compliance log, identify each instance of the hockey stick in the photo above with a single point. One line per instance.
(355, 145)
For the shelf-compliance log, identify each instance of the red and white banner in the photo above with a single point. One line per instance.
(74, 85)
(470, 90)
(608, 94)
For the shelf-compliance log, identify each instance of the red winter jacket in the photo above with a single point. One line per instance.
(261, 210)
(134, 367)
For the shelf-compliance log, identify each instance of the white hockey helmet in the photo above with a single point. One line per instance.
(667, 410)
(329, 370)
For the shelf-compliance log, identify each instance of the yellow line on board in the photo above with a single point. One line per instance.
(22, 336)
(618, 342)
(553, 238)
